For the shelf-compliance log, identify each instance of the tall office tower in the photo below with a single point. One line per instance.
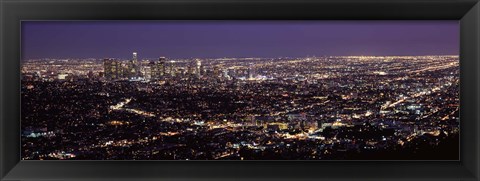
(107, 68)
(134, 58)
(110, 67)
(124, 70)
(147, 72)
(119, 69)
(153, 70)
(157, 68)
(162, 65)
(133, 68)
(171, 68)
(198, 67)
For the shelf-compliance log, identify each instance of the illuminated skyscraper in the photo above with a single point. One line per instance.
(171, 68)
(133, 68)
(147, 72)
(198, 69)
(152, 70)
(162, 65)
(107, 68)
(124, 70)
(111, 68)
(134, 58)
(157, 68)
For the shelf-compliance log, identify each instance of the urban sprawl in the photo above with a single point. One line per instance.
(309, 108)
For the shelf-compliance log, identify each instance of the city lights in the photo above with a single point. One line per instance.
(306, 108)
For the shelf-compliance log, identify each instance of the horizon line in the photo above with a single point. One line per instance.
(253, 57)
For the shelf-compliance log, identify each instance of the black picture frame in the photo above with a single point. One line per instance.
(12, 12)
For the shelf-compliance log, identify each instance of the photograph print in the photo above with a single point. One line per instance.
(240, 90)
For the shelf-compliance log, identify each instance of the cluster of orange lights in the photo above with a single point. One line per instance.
(118, 123)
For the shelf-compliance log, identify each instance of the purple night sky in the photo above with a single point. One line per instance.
(211, 39)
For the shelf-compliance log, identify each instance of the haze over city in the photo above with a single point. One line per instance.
(217, 39)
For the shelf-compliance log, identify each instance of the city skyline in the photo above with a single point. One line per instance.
(135, 99)
(216, 39)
